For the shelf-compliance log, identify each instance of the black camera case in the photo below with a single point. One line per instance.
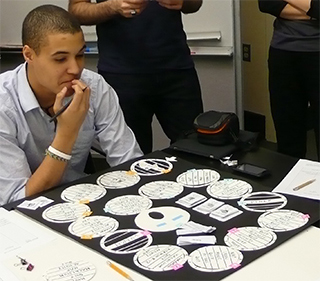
(217, 128)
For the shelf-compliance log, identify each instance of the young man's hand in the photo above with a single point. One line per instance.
(70, 121)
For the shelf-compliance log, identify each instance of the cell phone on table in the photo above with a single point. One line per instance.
(252, 170)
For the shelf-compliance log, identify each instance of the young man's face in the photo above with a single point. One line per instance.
(60, 60)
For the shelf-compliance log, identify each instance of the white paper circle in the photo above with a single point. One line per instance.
(118, 179)
(65, 212)
(95, 226)
(75, 271)
(83, 192)
(127, 205)
(250, 238)
(161, 258)
(262, 201)
(228, 189)
(196, 178)
(282, 220)
(162, 219)
(161, 189)
(151, 167)
(126, 241)
(215, 258)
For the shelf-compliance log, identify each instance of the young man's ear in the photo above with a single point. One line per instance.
(28, 53)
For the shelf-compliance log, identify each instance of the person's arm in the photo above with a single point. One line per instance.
(51, 170)
(309, 7)
(14, 168)
(303, 5)
(314, 11)
(17, 179)
(283, 9)
(186, 6)
(89, 13)
(272, 7)
(290, 12)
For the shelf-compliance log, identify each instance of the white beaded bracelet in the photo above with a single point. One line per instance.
(59, 153)
(54, 156)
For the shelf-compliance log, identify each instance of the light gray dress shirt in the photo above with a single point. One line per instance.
(25, 132)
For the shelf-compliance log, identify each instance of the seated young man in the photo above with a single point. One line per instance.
(37, 154)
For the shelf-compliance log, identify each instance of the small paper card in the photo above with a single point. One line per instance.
(191, 199)
(29, 204)
(225, 212)
(36, 203)
(208, 206)
(190, 240)
(193, 228)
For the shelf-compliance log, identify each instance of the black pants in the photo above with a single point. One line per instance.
(174, 97)
(294, 98)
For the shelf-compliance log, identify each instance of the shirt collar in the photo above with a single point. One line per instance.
(27, 98)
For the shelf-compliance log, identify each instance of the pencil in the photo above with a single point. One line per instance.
(120, 271)
(61, 110)
(304, 184)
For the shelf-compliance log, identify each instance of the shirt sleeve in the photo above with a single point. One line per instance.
(116, 139)
(314, 9)
(14, 168)
(272, 7)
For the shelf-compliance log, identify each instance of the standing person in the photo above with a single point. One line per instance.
(37, 154)
(144, 55)
(294, 72)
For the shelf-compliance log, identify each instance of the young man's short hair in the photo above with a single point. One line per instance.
(45, 20)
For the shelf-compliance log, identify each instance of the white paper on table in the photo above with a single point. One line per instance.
(17, 236)
(6, 275)
(302, 172)
(54, 253)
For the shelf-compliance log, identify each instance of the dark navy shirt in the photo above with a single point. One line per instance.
(151, 42)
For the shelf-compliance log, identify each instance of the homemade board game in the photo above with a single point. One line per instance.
(170, 219)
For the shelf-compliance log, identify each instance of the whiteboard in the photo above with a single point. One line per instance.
(213, 16)
(13, 12)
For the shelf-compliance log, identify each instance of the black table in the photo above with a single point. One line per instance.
(278, 165)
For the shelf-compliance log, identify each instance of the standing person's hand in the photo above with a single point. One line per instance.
(185, 6)
(171, 4)
(131, 8)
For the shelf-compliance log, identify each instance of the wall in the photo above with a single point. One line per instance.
(256, 30)
(12, 13)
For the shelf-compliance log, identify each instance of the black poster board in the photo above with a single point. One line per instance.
(247, 218)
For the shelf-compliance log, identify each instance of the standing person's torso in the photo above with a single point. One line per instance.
(296, 35)
(151, 42)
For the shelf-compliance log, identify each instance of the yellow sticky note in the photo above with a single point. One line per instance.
(86, 236)
(87, 214)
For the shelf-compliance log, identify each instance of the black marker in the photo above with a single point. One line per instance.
(61, 110)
